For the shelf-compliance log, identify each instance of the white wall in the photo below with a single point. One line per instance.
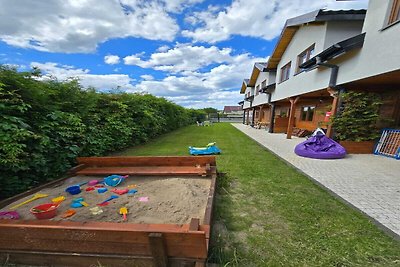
(260, 98)
(305, 81)
(340, 30)
(381, 50)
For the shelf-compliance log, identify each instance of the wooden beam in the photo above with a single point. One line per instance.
(148, 171)
(335, 95)
(146, 161)
(210, 200)
(158, 250)
(293, 102)
(194, 224)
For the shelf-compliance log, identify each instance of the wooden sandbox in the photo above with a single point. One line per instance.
(93, 243)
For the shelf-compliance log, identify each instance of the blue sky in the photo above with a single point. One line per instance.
(193, 52)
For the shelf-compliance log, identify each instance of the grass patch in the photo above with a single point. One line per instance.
(269, 214)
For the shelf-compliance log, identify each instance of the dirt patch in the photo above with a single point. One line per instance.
(170, 200)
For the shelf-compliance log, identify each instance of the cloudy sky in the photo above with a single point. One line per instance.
(193, 52)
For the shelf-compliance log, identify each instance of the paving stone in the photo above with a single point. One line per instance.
(370, 183)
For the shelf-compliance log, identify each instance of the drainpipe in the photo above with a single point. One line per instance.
(334, 72)
(332, 85)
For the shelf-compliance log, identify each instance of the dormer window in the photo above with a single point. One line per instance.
(304, 56)
(285, 72)
(257, 89)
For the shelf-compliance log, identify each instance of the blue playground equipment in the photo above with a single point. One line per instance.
(210, 149)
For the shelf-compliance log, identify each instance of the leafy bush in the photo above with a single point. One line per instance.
(358, 119)
(46, 124)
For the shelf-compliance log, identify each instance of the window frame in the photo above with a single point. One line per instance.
(307, 118)
(257, 90)
(286, 67)
(392, 14)
(307, 53)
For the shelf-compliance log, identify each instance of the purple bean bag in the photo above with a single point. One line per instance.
(320, 147)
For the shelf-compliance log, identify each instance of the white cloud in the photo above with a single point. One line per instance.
(147, 77)
(178, 5)
(79, 26)
(111, 59)
(101, 82)
(255, 18)
(216, 87)
(182, 58)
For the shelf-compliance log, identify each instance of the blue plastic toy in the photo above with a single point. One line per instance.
(210, 149)
(114, 180)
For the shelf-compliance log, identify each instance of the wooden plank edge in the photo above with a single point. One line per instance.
(94, 255)
(47, 224)
(210, 198)
(10, 200)
(79, 167)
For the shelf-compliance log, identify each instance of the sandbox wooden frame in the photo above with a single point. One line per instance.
(67, 243)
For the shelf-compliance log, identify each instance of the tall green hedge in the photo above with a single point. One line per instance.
(45, 125)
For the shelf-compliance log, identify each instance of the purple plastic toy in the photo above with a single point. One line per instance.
(9, 215)
(320, 147)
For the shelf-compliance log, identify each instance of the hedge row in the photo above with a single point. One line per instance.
(45, 125)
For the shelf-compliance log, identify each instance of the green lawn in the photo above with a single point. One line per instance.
(268, 214)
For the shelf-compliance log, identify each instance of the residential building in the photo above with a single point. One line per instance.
(305, 93)
(257, 92)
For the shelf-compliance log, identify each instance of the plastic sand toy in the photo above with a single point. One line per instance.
(120, 191)
(68, 213)
(210, 149)
(45, 211)
(123, 211)
(36, 196)
(96, 210)
(105, 202)
(114, 180)
(58, 199)
(79, 203)
(9, 215)
(102, 190)
(132, 192)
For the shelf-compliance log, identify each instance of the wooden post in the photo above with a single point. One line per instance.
(293, 102)
(158, 250)
(247, 119)
(335, 95)
(272, 118)
(260, 115)
(194, 224)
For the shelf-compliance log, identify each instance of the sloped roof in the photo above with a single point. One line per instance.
(318, 16)
(244, 86)
(229, 109)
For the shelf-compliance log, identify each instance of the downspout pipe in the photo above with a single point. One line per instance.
(334, 72)
(332, 79)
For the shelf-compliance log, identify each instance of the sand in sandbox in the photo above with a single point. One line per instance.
(170, 200)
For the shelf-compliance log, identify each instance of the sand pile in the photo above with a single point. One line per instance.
(170, 200)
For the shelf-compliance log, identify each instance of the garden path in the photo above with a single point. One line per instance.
(369, 183)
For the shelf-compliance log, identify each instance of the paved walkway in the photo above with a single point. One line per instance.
(368, 182)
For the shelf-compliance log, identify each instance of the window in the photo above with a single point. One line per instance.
(394, 13)
(307, 113)
(257, 89)
(304, 56)
(285, 72)
(264, 84)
